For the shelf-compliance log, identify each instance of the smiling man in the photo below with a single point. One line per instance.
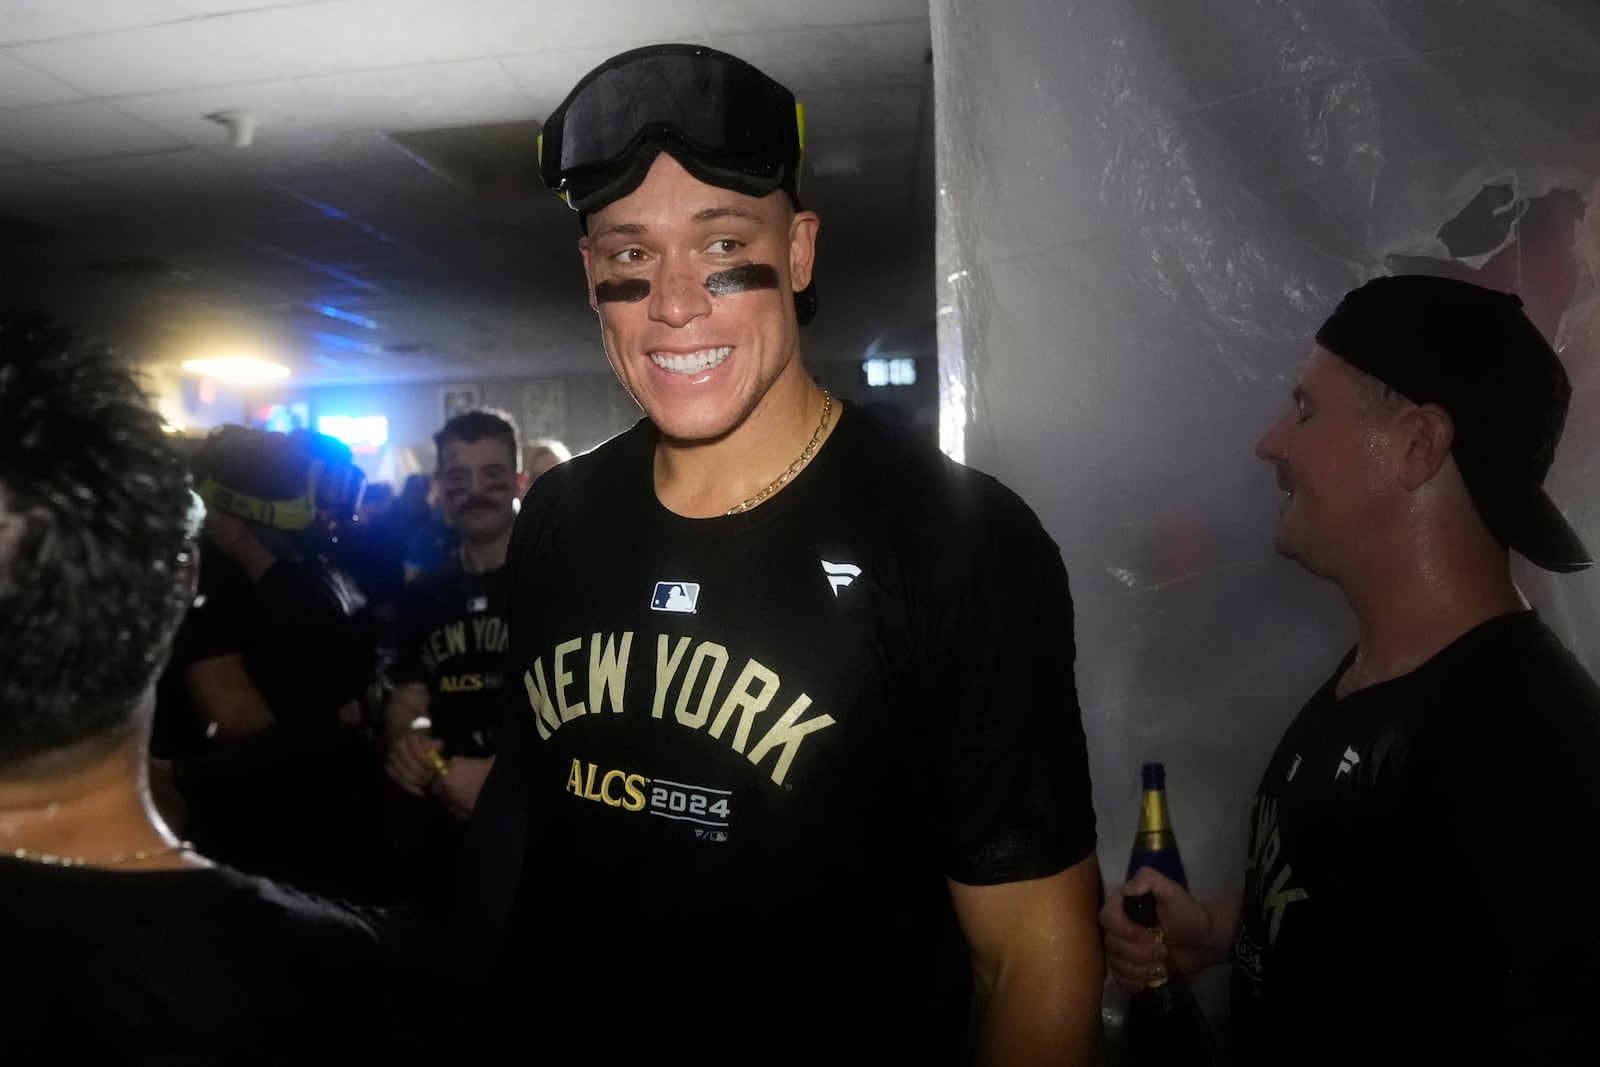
(1385, 917)
(796, 772)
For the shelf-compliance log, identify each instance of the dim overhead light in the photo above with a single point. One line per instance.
(237, 369)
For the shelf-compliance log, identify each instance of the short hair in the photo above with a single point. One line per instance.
(1376, 397)
(479, 424)
(377, 494)
(97, 524)
(547, 445)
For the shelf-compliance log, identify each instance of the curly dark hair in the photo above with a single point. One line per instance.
(96, 527)
(478, 424)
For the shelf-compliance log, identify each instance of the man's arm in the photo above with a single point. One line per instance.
(223, 695)
(1038, 971)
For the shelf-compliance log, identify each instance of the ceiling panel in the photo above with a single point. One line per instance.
(178, 55)
(386, 219)
(23, 86)
(36, 20)
(85, 130)
(742, 16)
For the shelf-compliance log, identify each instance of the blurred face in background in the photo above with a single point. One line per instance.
(477, 485)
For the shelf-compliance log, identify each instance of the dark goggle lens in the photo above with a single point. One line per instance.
(718, 108)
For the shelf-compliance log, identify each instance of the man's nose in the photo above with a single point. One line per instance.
(679, 295)
(1271, 445)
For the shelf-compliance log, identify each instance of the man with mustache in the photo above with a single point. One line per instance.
(443, 716)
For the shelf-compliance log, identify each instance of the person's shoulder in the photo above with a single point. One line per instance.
(287, 908)
(1510, 685)
(1518, 652)
(912, 476)
(602, 469)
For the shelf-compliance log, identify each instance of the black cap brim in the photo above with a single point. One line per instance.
(1527, 521)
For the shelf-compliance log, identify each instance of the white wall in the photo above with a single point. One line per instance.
(1145, 210)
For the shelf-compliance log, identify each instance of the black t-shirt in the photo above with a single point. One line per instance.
(216, 624)
(300, 800)
(748, 752)
(1405, 899)
(209, 966)
(302, 631)
(453, 640)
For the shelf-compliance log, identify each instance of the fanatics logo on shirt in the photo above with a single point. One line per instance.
(840, 574)
(675, 596)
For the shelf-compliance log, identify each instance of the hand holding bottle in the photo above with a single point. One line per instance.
(1197, 934)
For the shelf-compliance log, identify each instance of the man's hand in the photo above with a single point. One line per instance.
(458, 784)
(1197, 935)
(409, 761)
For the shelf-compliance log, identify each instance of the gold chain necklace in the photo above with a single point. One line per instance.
(794, 468)
(50, 859)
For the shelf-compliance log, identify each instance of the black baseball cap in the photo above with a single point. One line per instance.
(1476, 354)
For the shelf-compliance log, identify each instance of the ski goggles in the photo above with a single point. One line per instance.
(727, 123)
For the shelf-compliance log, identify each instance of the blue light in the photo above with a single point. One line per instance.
(344, 316)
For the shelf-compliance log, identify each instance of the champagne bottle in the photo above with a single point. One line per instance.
(1154, 844)
(1164, 1026)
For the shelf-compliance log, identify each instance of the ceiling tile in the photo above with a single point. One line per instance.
(282, 109)
(34, 186)
(745, 16)
(441, 94)
(510, 28)
(38, 20)
(182, 174)
(180, 55)
(22, 86)
(85, 130)
(343, 35)
(890, 54)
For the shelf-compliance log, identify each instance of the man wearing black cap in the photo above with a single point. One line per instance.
(798, 773)
(1412, 813)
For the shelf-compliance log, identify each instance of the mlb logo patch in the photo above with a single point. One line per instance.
(675, 596)
(477, 605)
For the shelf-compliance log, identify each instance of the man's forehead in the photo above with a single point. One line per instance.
(483, 452)
(1322, 365)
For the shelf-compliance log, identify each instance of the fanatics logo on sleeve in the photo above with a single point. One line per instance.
(675, 596)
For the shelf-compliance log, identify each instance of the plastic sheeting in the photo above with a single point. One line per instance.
(1145, 210)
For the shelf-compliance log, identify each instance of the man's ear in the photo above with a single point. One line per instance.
(802, 248)
(1429, 433)
(583, 250)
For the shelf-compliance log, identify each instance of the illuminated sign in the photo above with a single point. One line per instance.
(365, 434)
(890, 371)
(281, 418)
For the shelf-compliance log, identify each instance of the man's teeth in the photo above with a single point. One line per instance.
(691, 362)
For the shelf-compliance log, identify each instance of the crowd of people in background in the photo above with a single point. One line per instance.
(274, 747)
